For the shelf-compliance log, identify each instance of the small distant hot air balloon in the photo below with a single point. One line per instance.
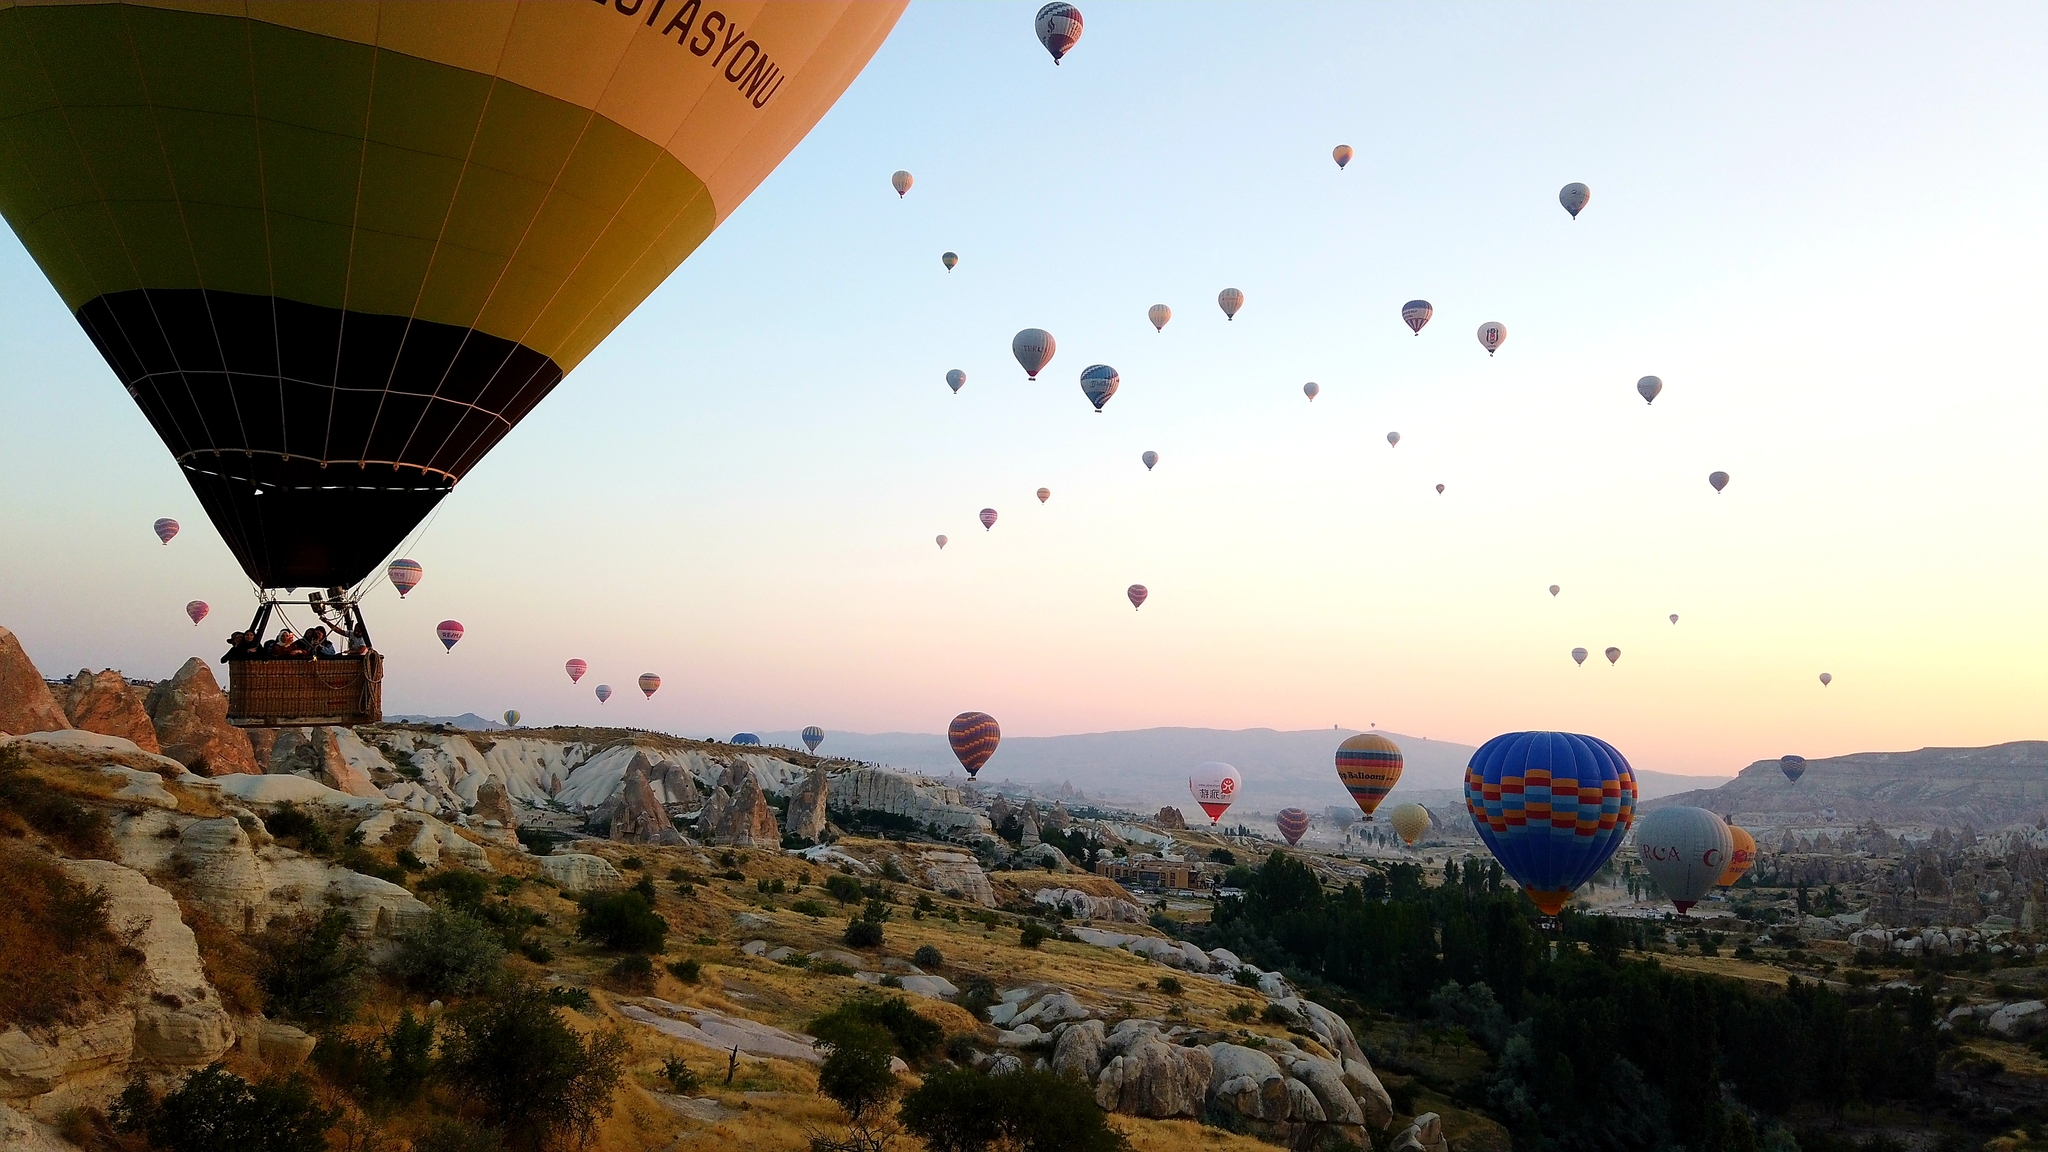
(1342, 155)
(1059, 28)
(449, 631)
(1614, 655)
(1293, 823)
(1369, 764)
(813, 736)
(1674, 617)
(1552, 807)
(1553, 589)
(604, 693)
(949, 260)
(956, 380)
(650, 684)
(1137, 593)
(405, 575)
(197, 610)
(1098, 383)
(1230, 300)
(1044, 494)
(165, 529)
(1793, 767)
(1410, 822)
(901, 181)
(1827, 814)
(1393, 439)
(1649, 387)
(1439, 489)
(1033, 348)
(1492, 335)
(1215, 786)
(988, 518)
(1149, 459)
(576, 669)
(1685, 850)
(512, 717)
(1741, 858)
(1310, 390)
(942, 542)
(1574, 197)
(1416, 313)
(1578, 655)
(1826, 678)
(1718, 479)
(1159, 314)
(974, 736)
(745, 738)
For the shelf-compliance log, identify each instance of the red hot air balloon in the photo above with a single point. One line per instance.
(1137, 593)
(197, 610)
(650, 684)
(405, 575)
(988, 518)
(1293, 824)
(166, 528)
(449, 631)
(576, 669)
(604, 693)
(974, 736)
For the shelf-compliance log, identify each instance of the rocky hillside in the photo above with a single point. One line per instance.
(1932, 787)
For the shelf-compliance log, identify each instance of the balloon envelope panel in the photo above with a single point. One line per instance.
(1551, 806)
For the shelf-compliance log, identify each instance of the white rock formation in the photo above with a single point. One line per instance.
(928, 802)
(577, 873)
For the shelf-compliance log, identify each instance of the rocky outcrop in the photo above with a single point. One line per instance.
(1170, 818)
(1425, 1134)
(639, 817)
(1085, 906)
(957, 872)
(243, 885)
(1079, 1052)
(1147, 1076)
(25, 701)
(493, 818)
(190, 715)
(931, 804)
(104, 702)
(806, 815)
(749, 822)
(1059, 817)
(576, 873)
(335, 757)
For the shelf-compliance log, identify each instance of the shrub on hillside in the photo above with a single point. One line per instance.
(390, 1068)
(311, 971)
(512, 1058)
(632, 973)
(458, 888)
(961, 1110)
(688, 971)
(28, 804)
(448, 1134)
(1034, 934)
(215, 1110)
(289, 822)
(60, 959)
(842, 888)
(863, 934)
(624, 922)
(857, 1076)
(928, 957)
(913, 1036)
(448, 954)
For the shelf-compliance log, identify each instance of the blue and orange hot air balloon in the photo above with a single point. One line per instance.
(1552, 807)
(974, 736)
(1293, 824)
(1369, 764)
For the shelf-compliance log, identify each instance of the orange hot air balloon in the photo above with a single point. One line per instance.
(1741, 859)
(650, 683)
(1369, 764)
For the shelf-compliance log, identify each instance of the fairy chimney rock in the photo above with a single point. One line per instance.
(640, 818)
(190, 714)
(806, 816)
(104, 702)
(750, 821)
(25, 701)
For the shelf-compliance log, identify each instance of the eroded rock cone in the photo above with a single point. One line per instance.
(104, 702)
(750, 821)
(640, 818)
(493, 816)
(190, 714)
(1170, 818)
(317, 754)
(806, 817)
(26, 704)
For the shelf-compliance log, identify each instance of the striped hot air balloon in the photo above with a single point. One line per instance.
(604, 693)
(512, 717)
(1137, 593)
(405, 575)
(988, 519)
(1159, 314)
(1369, 764)
(1415, 314)
(813, 736)
(1552, 807)
(165, 529)
(197, 610)
(746, 738)
(449, 631)
(1098, 383)
(950, 260)
(576, 669)
(974, 736)
(1044, 494)
(1293, 824)
(1230, 300)
(650, 684)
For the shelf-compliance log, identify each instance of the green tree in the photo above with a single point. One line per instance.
(311, 971)
(512, 1057)
(624, 922)
(215, 1110)
(448, 954)
(961, 1110)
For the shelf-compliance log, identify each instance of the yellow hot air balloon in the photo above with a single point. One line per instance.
(1410, 821)
(1741, 859)
(1369, 764)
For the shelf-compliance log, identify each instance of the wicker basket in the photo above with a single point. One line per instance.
(304, 693)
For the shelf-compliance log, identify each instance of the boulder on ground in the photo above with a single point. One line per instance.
(576, 873)
(1079, 1051)
(106, 703)
(1155, 1079)
(2019, 1021)
(951, 872)
(493, 818)
(25, 701)
(190, 714)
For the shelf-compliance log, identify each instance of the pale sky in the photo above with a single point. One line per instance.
(1821, 225)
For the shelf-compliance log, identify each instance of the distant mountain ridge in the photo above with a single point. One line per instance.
(468, 721)
(1986, 787)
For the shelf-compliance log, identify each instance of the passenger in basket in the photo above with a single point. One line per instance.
(241, 646)
(282, 647)
(317, 645)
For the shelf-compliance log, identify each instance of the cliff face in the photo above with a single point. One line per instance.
(1984, 787)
